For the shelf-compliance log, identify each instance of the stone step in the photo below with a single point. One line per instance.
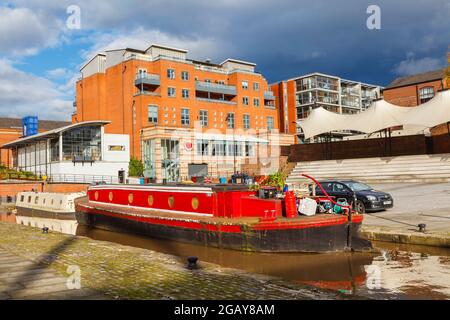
(372, 173)
(385, 180)
(443, 164)
(420, 158)
(373, 177)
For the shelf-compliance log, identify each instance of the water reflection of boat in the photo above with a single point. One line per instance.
(55, 211)
(331, 270)
(224, 216)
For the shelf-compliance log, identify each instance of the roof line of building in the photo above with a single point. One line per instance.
(239, 61)
(56, 131)
(325, 75)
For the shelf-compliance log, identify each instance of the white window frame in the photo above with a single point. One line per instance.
(203, 116)
(185, 118)
(169, 90)
(171, 74)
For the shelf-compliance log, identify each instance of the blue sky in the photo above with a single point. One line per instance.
(40, 57)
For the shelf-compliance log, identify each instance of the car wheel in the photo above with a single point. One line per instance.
(360, 207)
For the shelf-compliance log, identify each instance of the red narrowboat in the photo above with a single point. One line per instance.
(224, 216)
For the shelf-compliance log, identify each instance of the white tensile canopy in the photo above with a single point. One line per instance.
(381, 115)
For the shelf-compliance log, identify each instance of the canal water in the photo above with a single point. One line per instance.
(397, 272)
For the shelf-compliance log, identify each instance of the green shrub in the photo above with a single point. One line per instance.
(135, 168)
(277, 179)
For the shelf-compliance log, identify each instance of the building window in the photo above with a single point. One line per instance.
(207, 81)
(245, 101)
(54, 149)
(218, 148)
(256, 102)
(82, 144)
(203, 118)
(153, 114)
(249, 149)
(185, 117)
(233, 148)
(270, 124)
(184, 75)
(426, 94)
(256, 86)
(220, 82)
(171, 92)
(149, 158)
(246, 121)
(185, 93)
(230, 120)
(171, 73)
(202, 147)
(245, 85)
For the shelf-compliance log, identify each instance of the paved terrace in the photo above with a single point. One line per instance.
(33, 265)
(414, 203)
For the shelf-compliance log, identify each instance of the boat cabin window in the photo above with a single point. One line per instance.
(36, 200)
(29, 199)
(43, 201)
(22, 198)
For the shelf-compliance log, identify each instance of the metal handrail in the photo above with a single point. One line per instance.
(150, 76)
(215, 85)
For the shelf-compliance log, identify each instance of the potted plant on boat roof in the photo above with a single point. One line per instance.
(277, 180)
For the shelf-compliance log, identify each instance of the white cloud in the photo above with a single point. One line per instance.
(412, 66)
(24, 32)
(24, 94)
(141, 38)
(59, 73)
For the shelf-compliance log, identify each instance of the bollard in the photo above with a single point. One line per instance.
(45, 230)
(192, 262)
(422, 227)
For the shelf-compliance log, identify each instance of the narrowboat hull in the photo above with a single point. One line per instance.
(319, 239)
(319, 233)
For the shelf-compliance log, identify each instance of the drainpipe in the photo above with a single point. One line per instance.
(123, 100)
(133, 117)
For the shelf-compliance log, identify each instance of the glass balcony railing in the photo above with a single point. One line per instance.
(268, 95)
(215, 88)
(147, 78)
(216, 100)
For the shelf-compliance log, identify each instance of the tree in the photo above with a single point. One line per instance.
(135, 168)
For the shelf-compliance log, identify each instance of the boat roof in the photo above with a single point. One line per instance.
(213, 186)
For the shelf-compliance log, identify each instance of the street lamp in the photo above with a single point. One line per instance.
(228, 118)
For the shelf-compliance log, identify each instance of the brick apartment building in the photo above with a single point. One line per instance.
(296, 97)
(11, 129)
(416, 89)
(184, 117)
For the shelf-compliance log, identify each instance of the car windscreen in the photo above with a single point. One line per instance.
(358, 186)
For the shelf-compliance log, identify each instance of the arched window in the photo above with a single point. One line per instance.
(425, 94)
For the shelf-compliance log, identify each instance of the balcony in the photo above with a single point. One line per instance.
(146, 93)
(215, 88)
(269, 105)
(268, 95)
(149, 79)
(216, 101)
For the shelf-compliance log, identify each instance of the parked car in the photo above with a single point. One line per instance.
(368, 199)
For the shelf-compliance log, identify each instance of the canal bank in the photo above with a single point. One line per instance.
(123, 272)
(427, 204)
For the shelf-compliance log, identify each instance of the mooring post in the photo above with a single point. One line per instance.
(349, 229)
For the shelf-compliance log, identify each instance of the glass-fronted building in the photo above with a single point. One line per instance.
(298, 96)
(80, 152)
